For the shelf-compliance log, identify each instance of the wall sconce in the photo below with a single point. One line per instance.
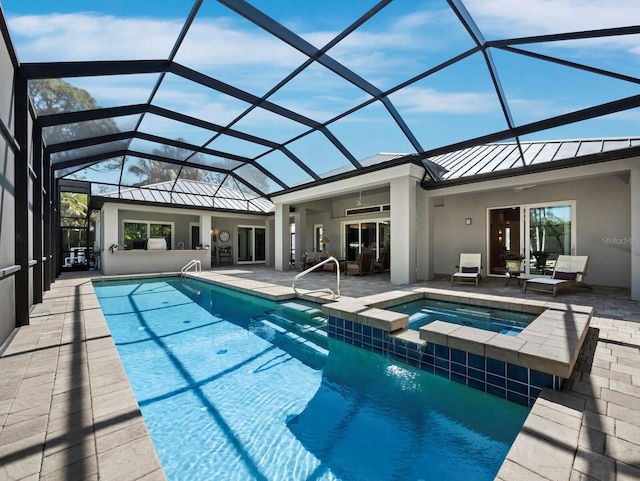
(214, 234)
(324, 241)
(467, 221)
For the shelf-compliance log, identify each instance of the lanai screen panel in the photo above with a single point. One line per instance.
(179, 94)
(281, 95)
(290, 173)
(89, 128)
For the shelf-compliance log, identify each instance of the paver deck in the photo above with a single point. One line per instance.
(68, 412)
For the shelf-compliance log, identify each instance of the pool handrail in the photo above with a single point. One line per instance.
(314, 267)
(195, 263)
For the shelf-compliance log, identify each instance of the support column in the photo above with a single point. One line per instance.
(22, 201)
(205, 237)
(282, 237)
(425, 235)
(38, 200)
(58, 259)
(49, 271)
(403, 230)
(301, 233)
(635, 232)
(110, 233)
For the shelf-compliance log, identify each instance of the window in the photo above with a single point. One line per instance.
(135, 233)
(318, 235)
(292, 245)
(368, 209)
(550, 235)
(161, 230)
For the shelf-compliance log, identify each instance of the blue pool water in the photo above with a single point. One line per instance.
(425, 311)
(233, 387)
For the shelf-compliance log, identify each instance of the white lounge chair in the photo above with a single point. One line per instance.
(569, 271)
(469, 269)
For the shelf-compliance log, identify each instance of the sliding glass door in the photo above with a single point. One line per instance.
(551, 234)
(371, 237)
(541, 232)
(251, 244)
(505, 235)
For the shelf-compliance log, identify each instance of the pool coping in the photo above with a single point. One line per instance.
(551, 343)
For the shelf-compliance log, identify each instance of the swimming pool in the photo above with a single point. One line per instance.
(425, 311)
(234, 387)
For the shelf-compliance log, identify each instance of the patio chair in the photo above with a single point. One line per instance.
(569, 271)
(469, 269)
(302, 265)
(382, 265)
(331, 266)
(360, 266)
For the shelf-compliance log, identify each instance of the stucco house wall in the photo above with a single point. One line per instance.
(331, 214)
(603, 215)
(126, 262)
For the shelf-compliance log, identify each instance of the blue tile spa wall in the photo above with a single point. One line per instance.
(515, 383)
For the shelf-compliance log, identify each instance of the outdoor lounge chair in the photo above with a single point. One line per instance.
(568, 271)
(469, 269)
(360, 266)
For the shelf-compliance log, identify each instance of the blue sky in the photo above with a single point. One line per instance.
(403, 40)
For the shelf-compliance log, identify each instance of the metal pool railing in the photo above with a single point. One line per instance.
(194, 263)
(313, 268)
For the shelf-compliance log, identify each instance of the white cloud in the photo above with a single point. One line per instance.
(82, 36)
(422, 100)
(114, 90)
(212, 43)
(536, 109)
(520, 18)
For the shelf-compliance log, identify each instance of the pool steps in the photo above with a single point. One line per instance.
(298, 323)
(299, 339)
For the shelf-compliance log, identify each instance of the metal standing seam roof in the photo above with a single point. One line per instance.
(193, 193)
(321, 97)
(502, 157)
(466, 163)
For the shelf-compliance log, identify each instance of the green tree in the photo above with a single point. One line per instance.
(54, 96)
(155, 171)
(73, 207)
(73, 219)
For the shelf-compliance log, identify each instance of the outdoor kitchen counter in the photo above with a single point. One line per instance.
(139, 261)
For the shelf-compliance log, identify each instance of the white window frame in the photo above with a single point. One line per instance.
(343, 224)
(191, 226)
(316, 241)
(253, 254)
(525, 226)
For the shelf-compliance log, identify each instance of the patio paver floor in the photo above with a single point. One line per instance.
(68, 412)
